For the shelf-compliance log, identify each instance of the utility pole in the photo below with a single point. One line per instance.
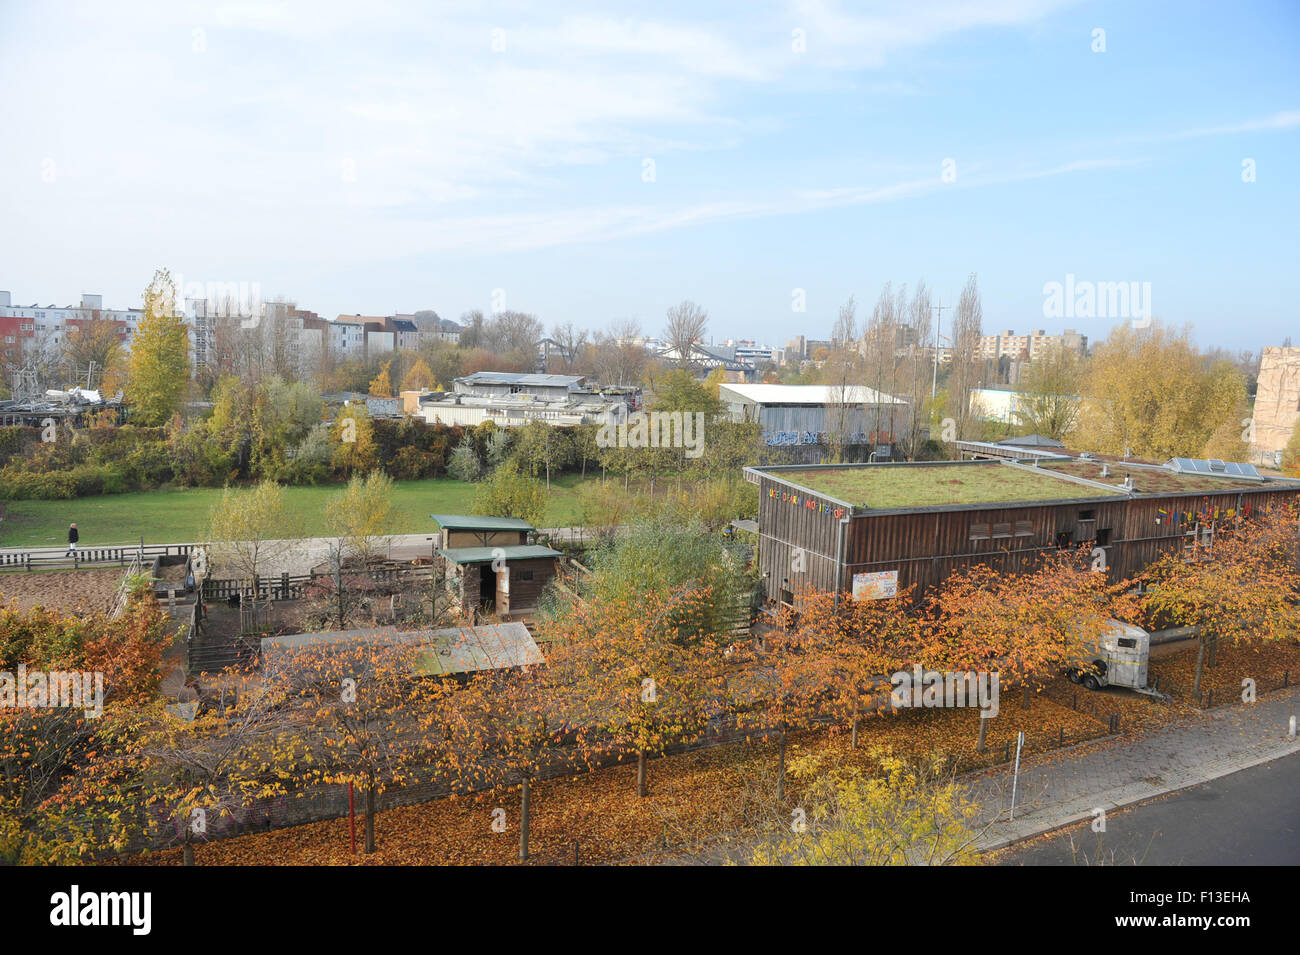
(934, 382)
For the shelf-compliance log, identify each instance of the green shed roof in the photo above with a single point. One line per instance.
(484, 555)
(473, 522)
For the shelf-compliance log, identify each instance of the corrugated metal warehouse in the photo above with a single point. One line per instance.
(877, 528)
(864, 415)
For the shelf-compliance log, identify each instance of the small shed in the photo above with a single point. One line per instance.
(492, 561)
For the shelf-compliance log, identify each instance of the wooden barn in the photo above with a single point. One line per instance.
(875, 529)
(494, 565)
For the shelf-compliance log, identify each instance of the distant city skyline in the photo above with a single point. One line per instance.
(588, 166)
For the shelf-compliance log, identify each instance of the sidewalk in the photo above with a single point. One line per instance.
(1057, 790)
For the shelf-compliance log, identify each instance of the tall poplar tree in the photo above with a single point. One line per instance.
(160, 355)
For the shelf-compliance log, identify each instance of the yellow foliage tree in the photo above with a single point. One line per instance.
(420, 376)
(361, 514)
(354, 437)
(905, 813)
(715, 378)
(160, 360)
(381, 386)
(1148, 392)
(247, 528)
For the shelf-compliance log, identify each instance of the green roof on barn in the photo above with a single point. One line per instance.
(473, 522)
(485, 555)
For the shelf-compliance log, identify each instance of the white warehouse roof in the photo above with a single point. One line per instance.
(808, 395)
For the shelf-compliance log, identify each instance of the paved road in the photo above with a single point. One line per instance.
(1248, 818)
(1058, 790)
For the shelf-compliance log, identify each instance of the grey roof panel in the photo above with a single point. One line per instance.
(475, 522)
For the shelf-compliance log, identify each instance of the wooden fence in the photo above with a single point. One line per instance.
(294, 586)
(51, 558)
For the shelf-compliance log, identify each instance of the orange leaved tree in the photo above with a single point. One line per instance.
(1243, 587)
(638, 673)
(366, 716)
(1025, 626)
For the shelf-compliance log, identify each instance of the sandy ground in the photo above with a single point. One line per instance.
(85, 590)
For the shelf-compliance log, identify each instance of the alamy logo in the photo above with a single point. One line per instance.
(1075, 299)
(102, 908)
(655, 429)
(939, 689)
(39, 689)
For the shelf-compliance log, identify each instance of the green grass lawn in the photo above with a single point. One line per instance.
(177, 515)
(883, 486)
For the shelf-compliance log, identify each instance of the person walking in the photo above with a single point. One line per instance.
(73, 537)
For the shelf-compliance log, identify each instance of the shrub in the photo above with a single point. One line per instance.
(465, 464)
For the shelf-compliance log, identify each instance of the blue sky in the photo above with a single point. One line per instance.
(385, 157)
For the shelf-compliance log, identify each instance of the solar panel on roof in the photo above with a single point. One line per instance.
(1212, 466)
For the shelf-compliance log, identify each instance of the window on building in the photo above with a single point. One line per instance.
(1087, 515)
(1002, 529)
(979, 532)
(1103, 537)
(1024, 528)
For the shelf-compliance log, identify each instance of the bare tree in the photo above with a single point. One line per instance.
(841, 370)
(90, 348)
(686, 325)
(623, 359)
(473, 334)
(514, 335)
(880, 349)
(571, 342)
(917, 365)
(965, 368)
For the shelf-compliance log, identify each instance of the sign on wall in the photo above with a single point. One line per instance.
(875, 586)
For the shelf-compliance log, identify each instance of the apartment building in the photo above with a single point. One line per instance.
(50, 324)
(1030, 346)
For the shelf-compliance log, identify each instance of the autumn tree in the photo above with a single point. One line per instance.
(353, 434)
(639, 673)
(94, 346)
(381, 386)
(1239, 586)
(1025, 626)
(60, 765)
(524, 709)
(206, 771)
(1148, 393)
(159, 372)
(900, 812)
(1051, 388)
(420, 377)
(370, 721)
(248, 529)
(1291, 455)
(541, 448)
(361, 515)
(508, 492)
